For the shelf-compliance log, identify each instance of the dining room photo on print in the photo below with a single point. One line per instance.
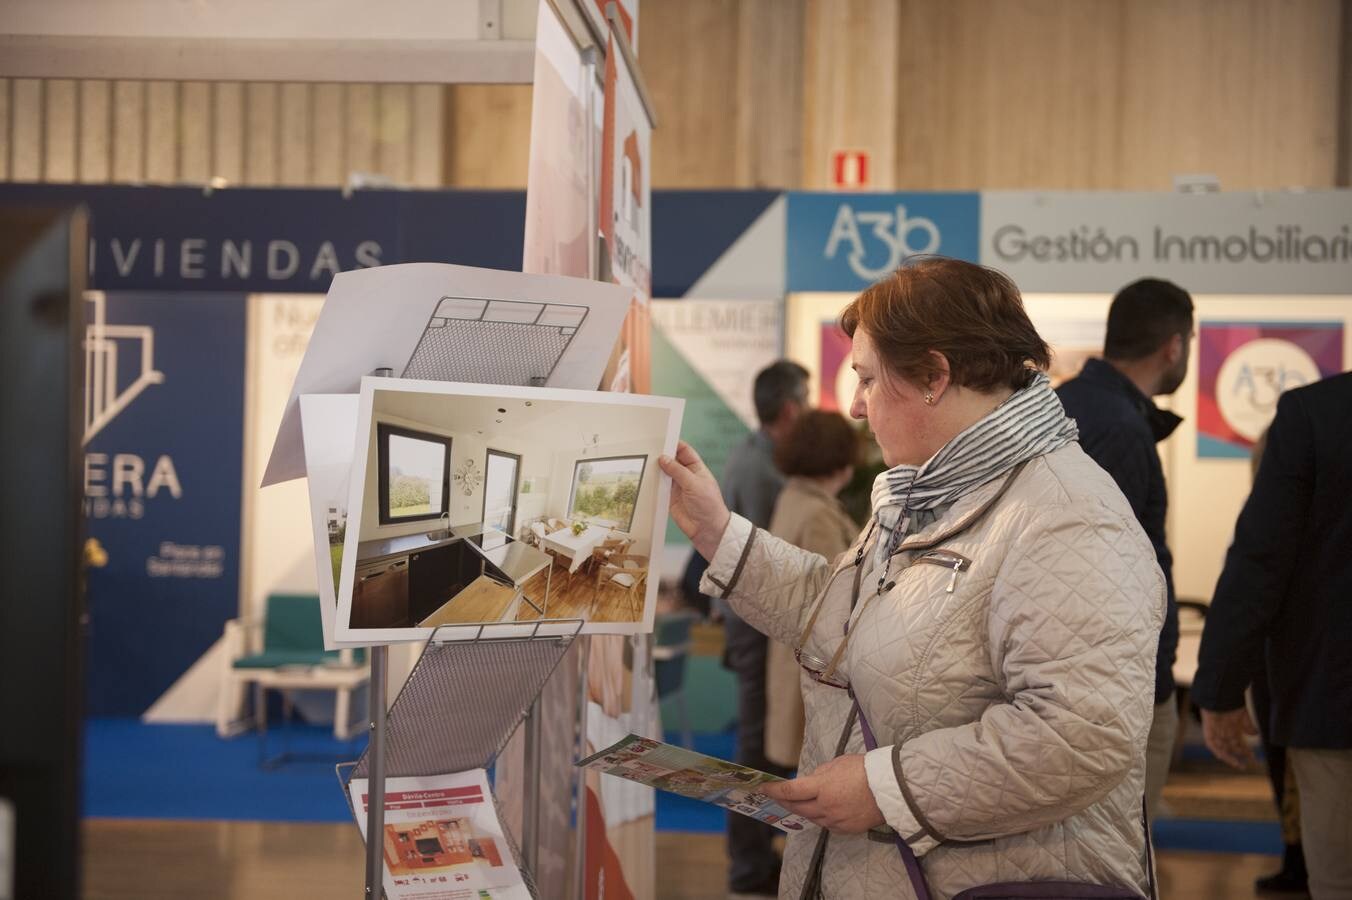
(474, 505)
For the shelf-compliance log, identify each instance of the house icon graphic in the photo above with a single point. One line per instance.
(107, 348)
(630, 203)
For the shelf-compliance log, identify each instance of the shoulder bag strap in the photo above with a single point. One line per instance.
(908, 858)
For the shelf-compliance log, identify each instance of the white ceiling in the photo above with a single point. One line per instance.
(553, 423)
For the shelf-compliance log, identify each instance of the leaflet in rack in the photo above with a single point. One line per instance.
(694, 775)
(443, 839)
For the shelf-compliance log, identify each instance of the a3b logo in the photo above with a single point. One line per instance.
(892, 231)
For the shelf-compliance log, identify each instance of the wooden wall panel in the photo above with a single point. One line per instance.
(1247, 89)
(295, 120)
(329, 163)
(360, 122)
(60, 130)
(428, 132)
(258, 133)
(261, 108)
(161, 132)
(5, 87)
(487, 132)
(769, 97)
(227, 131)
(1116, 95)
(25, 116)
(850, 71)
(693, 83)
(128, 137)
(194, 132)
(1343, 178)
(1017, 94)
(944, 94)
(394, 130)
(95, 151)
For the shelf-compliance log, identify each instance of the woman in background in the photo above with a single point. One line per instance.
(818, 457)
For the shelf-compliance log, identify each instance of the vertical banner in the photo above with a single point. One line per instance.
(1244, 367)
(626, 220)
(619, 859)
(164, 417)
(706, 352)
(559, 203)
(276, 518)
(557, 189)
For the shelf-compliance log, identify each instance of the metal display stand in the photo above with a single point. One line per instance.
(435, 726)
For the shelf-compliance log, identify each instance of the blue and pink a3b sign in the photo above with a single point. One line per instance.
(1244, 367)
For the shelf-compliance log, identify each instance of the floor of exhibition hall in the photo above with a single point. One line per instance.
(160, 860)
(173, 811)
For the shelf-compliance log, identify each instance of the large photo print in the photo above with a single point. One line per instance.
(473, 505)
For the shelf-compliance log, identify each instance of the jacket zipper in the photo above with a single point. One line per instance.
(949, 560)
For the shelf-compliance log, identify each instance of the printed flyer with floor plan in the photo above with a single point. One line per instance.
(696, 776)
(443, 840)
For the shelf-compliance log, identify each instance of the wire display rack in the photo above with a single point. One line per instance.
(439, 724)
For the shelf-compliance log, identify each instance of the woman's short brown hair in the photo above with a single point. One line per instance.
(971, 314)
(820, 443)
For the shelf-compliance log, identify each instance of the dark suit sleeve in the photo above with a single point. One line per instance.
(1258, 567)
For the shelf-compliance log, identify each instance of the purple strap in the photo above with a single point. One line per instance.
(918, 883)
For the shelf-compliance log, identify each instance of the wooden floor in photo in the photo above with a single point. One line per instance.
(146, 859)
(575, 596)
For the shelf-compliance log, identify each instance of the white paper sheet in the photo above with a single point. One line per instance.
(329, 423)
(443, 839)
(451, 322)
(557, 425)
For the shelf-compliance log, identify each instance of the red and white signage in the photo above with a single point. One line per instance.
(850, 169)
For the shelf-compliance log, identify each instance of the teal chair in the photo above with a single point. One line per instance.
(671, 650)
(291, 656)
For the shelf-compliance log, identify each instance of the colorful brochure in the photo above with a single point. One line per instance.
(696, 776)
(443, 839)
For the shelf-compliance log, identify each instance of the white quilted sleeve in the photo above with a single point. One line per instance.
(1075, 615)
(769, 582)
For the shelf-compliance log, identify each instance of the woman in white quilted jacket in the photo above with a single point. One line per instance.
(978, 668)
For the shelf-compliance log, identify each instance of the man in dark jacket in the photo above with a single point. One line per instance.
(1286, 593)
(1145, 354)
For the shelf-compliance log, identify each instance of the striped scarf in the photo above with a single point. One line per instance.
(1030, 423)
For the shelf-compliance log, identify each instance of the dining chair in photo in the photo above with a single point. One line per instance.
(607, 550)
(628, 572)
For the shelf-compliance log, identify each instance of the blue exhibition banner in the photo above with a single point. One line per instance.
(164, 422)
(845, 242)
(278, 240)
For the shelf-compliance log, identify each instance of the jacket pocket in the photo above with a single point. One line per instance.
(955, 562)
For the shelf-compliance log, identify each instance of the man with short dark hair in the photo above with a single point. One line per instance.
(1145, 354)
(751, 484)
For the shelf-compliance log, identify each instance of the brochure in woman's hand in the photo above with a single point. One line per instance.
(696, 776)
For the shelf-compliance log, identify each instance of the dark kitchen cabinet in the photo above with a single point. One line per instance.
(438, 574)
(380, 596)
